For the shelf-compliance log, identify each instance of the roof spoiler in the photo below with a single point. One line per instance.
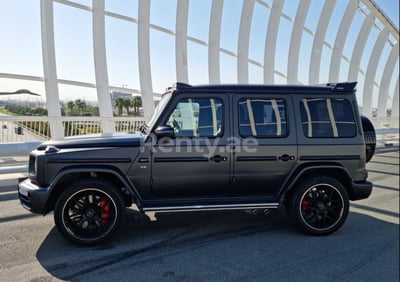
(179, 85)
(343, 86)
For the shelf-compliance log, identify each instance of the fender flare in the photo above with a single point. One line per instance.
(300, 171)
(98, 168)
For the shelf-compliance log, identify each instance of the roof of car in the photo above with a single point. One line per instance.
(342, 87)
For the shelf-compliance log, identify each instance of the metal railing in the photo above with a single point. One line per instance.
(28, 128)
(387, 130)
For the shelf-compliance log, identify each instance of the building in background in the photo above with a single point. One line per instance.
(118, 94)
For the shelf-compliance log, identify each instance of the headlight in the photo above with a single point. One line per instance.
(32, 165)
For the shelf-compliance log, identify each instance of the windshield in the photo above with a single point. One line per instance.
(160, 107)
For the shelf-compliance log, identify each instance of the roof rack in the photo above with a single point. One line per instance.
(342, 86)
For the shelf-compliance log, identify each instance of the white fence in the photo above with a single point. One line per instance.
(27, 129)
(20, 134)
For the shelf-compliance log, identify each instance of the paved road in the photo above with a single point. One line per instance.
(213, 246)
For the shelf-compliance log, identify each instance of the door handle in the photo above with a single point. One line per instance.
(218, 158)
(286, 157)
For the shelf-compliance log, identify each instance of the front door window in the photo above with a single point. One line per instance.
(197, 117)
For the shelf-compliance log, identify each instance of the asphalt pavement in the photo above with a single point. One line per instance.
(11, 169)
(210, 246)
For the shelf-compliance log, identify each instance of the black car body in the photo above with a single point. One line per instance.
(212, 147)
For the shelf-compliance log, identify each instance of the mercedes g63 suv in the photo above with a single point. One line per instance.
(212, 147)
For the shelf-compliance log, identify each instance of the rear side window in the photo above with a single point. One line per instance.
(329, 118)
(262, 118)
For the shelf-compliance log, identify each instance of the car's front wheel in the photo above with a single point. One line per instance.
(320, 205)
(89, 211)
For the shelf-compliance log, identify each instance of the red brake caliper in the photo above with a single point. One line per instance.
(305, 205)
(105, 211)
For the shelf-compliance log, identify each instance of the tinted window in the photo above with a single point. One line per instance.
(262, 118)
(327, 118)
(197, 118)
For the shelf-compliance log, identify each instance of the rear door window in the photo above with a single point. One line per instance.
(262, 117)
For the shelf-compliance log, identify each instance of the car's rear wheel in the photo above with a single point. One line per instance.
(320, 205)
(89, 212)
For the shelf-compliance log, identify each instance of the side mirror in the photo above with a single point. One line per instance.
(164, 131)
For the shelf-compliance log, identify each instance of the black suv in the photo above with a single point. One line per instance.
(209, 148)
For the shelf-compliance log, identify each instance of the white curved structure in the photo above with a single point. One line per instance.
(181, 41)
(341, 39)
(316, 54)
(270, 42)
(214, 42)
(295, 41)
(49, 65)
(313, 51)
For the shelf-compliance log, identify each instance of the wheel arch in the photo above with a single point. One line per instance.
(72, 174)
(335, 171)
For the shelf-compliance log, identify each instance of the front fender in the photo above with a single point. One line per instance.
(96, 169)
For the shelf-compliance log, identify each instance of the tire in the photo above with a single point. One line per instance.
(89, 212)
(319, 206)
(369, 138)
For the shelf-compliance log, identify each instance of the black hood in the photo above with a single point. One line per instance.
(96, 140)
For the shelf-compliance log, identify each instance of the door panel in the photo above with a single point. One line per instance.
(265, 174)
(195, 163)
(267, 150)
(182, 172)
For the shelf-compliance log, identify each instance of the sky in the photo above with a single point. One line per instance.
(20, 43)
(391, 9)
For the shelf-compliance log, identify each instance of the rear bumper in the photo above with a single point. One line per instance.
(361, 190)
(33, 197)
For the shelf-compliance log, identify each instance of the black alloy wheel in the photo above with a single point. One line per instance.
(89, 212)
(320, 206)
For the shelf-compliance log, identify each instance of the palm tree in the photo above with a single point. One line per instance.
(81, 104)
(127, 104)
(119, 104)
(137, 103)
(70, 106)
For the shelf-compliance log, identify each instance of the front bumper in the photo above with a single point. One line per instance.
(361, 190)
(33, 197)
